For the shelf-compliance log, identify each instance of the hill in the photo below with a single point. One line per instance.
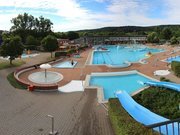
(128, 30)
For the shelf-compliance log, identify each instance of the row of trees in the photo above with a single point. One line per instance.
(12, 46)
(32, 30)
(166, 34)
(29, 32)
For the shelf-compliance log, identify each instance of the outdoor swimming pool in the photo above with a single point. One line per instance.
(170, 59)
(110, 84)
(28, 55)
(119, 55)
(65, 64)
(22, 56)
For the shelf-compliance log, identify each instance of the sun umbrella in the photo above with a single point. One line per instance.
(45, 66)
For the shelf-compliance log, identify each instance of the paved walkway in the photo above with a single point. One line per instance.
(25, 113)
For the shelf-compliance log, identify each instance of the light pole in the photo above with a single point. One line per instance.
(52, 132)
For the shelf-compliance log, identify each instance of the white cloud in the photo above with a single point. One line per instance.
(118, 13)
(100, 1)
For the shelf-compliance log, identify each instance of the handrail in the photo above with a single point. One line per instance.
(163, 123)
(166, 123)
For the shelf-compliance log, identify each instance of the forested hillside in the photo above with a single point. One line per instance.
(129, 30)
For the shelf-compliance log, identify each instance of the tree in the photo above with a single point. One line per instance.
(50, 44)
(166, 33)
(30, 40)
(153, 37)
(72, 35)
(11, 47)
(22, 22)
(25, 24)
(174, 40)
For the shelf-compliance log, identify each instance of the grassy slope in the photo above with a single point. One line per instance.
(161, 101)
(14, 83)
(122, 122)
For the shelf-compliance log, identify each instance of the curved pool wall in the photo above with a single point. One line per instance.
(65, 64)
(100, 91)
(170, 59)
(116, 56)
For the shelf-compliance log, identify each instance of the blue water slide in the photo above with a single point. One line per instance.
(169, 85)
(142, 114)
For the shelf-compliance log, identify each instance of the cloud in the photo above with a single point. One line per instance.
(173, 11)
(100, 1)
(71, 15)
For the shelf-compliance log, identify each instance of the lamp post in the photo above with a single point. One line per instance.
(52, 132)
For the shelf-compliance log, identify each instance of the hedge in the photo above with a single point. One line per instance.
(175, 66)
(123, 123)
(58, 54)
(164, 79)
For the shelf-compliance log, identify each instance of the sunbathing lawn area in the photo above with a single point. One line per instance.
(16, 63)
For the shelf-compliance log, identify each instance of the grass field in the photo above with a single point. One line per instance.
(5, 64)
(14, 83)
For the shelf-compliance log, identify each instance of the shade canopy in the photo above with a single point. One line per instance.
(45, 66)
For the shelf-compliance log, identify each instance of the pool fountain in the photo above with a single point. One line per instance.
(45, 77)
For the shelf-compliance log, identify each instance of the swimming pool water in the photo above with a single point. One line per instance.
(28, 55)
(118, 55)
(169, 60)
(65, 64)
(111, 84)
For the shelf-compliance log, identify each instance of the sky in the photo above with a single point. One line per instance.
(68, 15)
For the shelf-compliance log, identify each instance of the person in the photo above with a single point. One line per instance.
(149, 53)
(72, 62)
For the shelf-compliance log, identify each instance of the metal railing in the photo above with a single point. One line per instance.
(170, 127)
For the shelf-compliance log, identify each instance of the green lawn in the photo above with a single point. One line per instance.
(5, 64)
(14, 83)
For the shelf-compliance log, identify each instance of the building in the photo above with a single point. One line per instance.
(95, 40)
(62, 42)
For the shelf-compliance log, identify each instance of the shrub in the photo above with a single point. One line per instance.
(122, 122)
(70, 51)
(164, 79)
(162, 101)
(58, 54)
(30, 47)
(175, 66)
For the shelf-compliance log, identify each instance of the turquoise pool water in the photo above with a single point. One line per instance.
(118, 55)
(28, 55)
(169, 60)
(65, 64)
(111, 84)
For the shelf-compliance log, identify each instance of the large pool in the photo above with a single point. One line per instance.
(110, 84)
(120, 54)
